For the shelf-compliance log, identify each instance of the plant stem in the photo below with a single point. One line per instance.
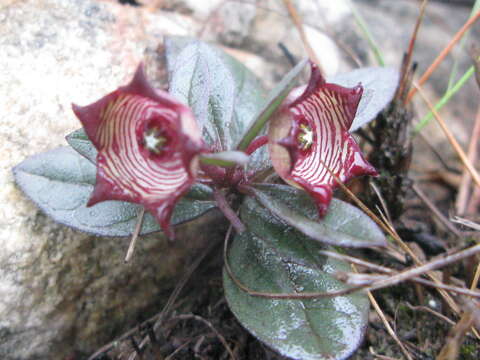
(276, 97)
(256, 144)
(226, 209)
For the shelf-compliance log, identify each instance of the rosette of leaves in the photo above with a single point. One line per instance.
(273, 259)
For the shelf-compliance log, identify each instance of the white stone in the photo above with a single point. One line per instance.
(61, 291)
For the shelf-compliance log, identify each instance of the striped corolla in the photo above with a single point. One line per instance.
(309, 142)
(147, 144)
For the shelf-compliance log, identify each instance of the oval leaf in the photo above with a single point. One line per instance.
(343, 225)
(278, 259)
(379, 86)
(222, 93)
(198, 72)
(79, 141)
(60, 182)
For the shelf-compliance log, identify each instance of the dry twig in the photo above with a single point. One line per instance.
(299, 25)
(458, 149)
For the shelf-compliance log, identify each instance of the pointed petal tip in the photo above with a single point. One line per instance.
(163, 213)
(77, 110)
(101, 192)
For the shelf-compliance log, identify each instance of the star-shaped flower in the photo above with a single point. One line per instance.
(147, 144)
(309, 142)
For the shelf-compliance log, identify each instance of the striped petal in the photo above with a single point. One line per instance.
(309, 142)
(146, 142)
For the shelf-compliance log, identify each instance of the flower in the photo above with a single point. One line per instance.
(309, 141)
(147, 144)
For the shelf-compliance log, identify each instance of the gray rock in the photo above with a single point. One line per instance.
(65, 292)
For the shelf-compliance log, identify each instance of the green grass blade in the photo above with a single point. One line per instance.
(453, 74)
(445, 99)
(368, 35)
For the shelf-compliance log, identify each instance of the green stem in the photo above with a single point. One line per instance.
(276, 97)
(368, 35)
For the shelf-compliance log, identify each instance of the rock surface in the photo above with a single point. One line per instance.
(63, 292)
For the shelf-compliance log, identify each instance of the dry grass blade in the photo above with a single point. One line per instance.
(135, 234)
(475, 226)
(450, 350)
(385, 270)
(465, 222)
(378, 356)
(429, 266)
(391, 231)
(431, 311)
(386, 213)
(390, 330)
(456, 146)
(463, 191)
(177, 350)
(209, 324)
(443, 54)
(408, 60)
(435, 211)
(476, 278)
(299, 25)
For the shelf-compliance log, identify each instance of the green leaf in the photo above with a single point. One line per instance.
(379, 86)
(279, 259)
(223, 94)
(82, 144)
(60, 182)
(344, 224)
(273, 101)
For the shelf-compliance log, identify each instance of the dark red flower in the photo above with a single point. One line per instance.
(147, 144)
(309, 136)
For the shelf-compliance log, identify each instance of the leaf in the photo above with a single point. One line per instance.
(80, 142)
(273, 101)
(343, 225)
(379, 86)
(223, 94)
(60, 182)
(278, 259)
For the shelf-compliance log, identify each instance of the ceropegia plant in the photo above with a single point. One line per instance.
(214, 136)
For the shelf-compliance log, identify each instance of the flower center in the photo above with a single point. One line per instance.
(305, 137)
(153, 140)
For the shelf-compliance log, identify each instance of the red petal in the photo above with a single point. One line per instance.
(328, 111)
(126, 171)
